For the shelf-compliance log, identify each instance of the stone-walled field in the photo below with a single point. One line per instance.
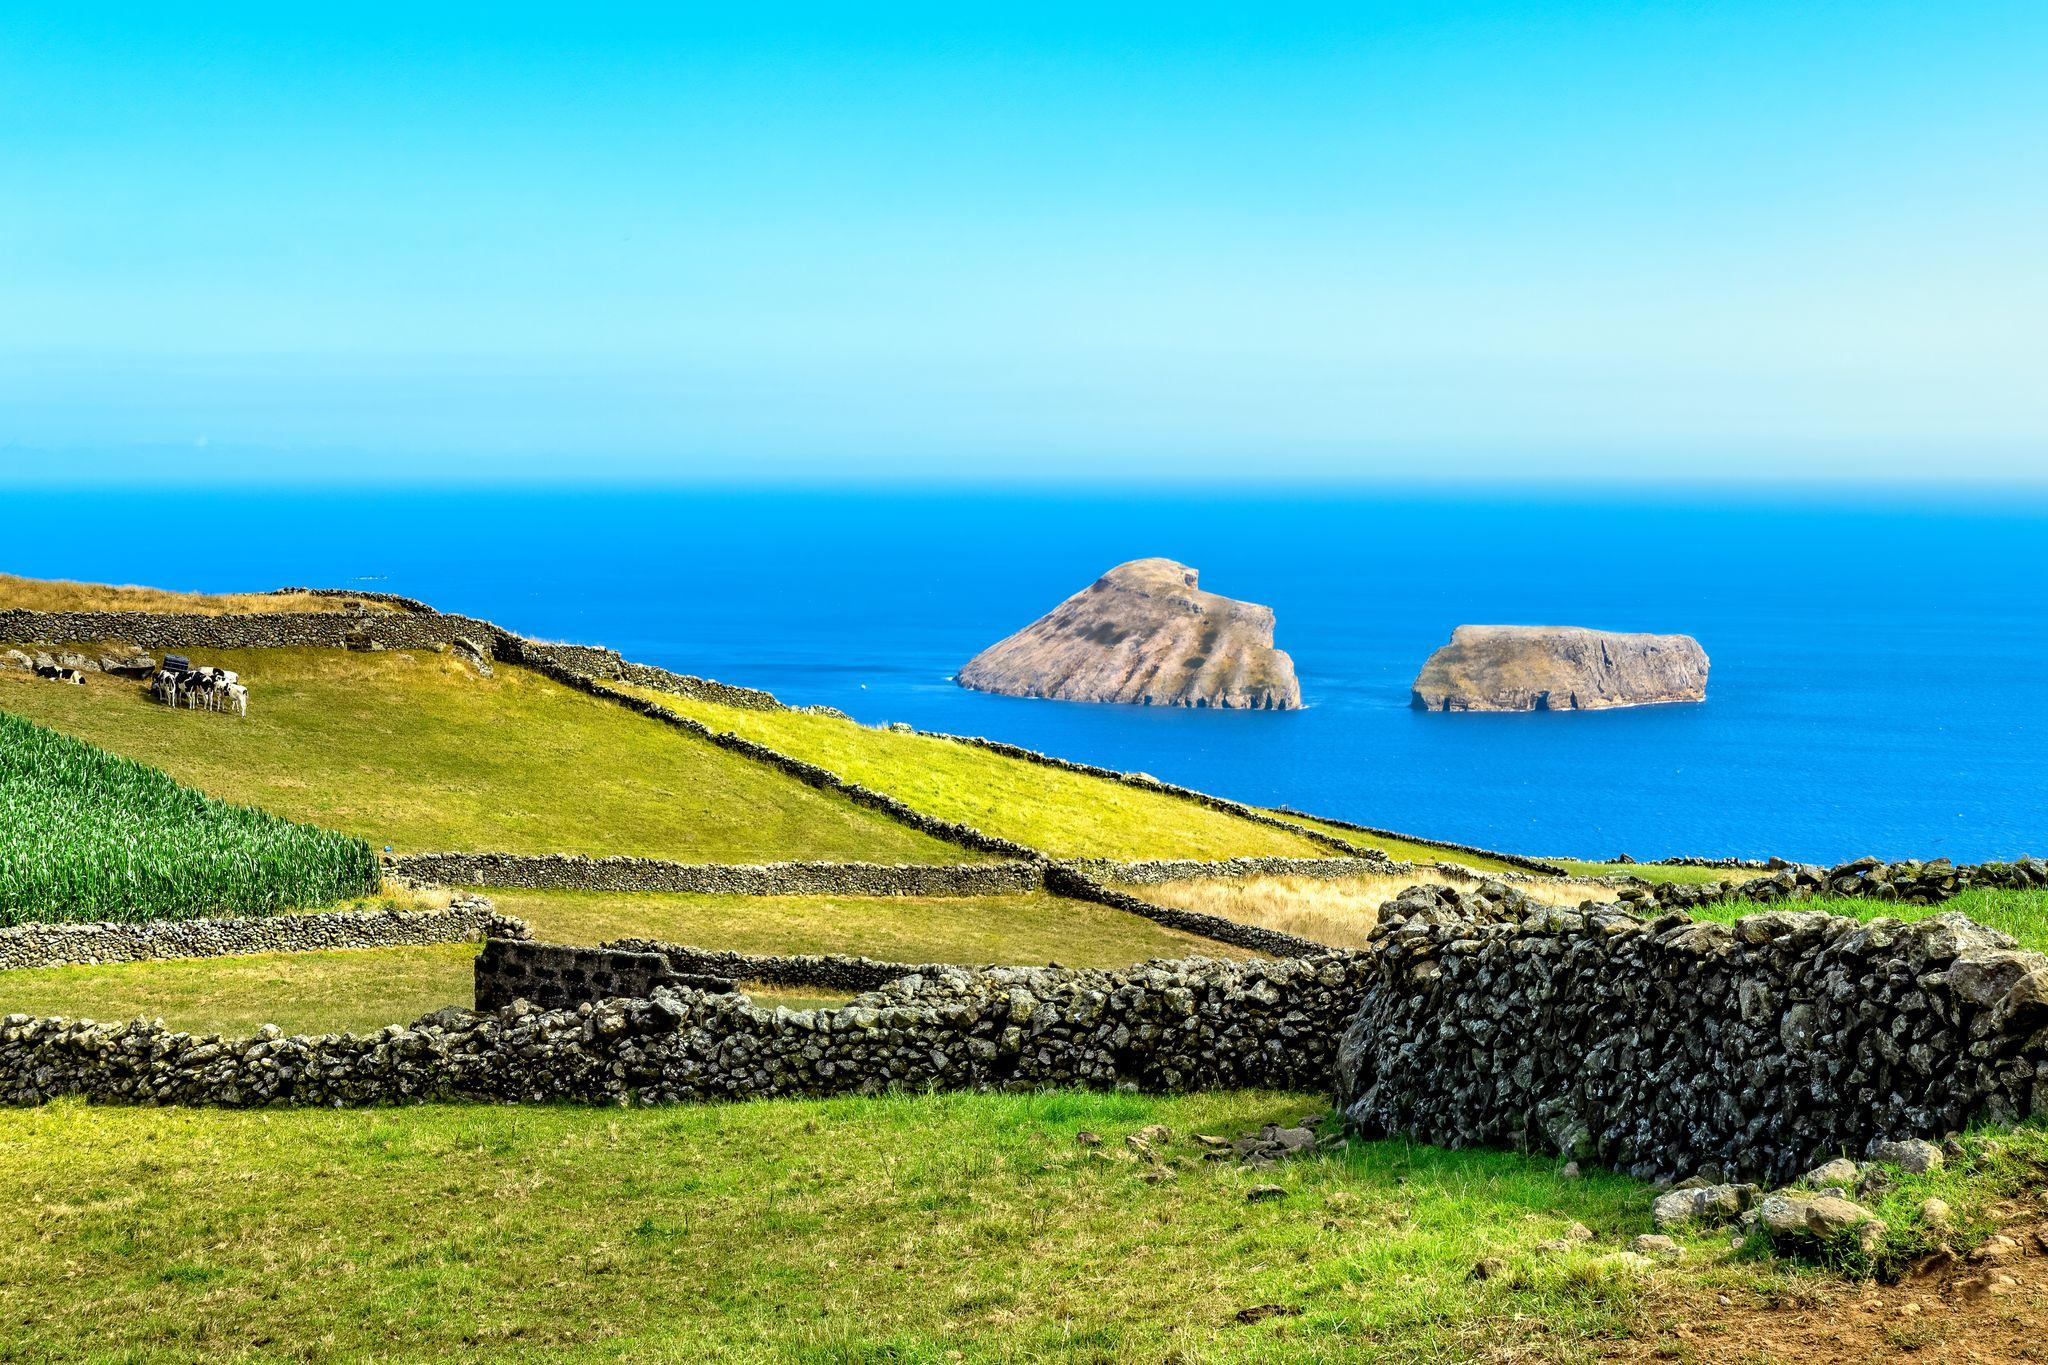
(1194, 1024)
(53, 945)
(567, 871)
(1655, 1045)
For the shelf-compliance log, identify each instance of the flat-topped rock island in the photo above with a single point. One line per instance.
(1559, 668)
(1146, 634)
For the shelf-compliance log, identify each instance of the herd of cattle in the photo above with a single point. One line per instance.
(180, 683)
(176, 682)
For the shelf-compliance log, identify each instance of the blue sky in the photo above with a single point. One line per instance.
(1592, 240)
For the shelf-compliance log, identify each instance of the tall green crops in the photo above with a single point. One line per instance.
(87, 835)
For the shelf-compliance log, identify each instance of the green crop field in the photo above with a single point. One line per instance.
(88, 835)
(417, 752)
(1066, 814)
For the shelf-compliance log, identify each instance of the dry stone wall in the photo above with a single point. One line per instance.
(1658, 1046)
(54, 945)
(1662, 1045)
(501, 974)
(1908, 882)
(1164, 1026)
(567, 871)
(389, 599)
(553, 975)
(255, 630)
(1152, 872)
(813, 971)
(702, 689)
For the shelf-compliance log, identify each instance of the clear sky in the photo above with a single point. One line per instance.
(1581, 238)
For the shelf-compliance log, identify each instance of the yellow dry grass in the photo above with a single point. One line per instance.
(1338, 911)
(52, 594)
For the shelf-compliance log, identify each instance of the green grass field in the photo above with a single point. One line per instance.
(418, 752)
(1026, 930)
(344, 991)
(1069, 815)
(904, 1228)
(2023, 914)
(1656, 872)
(898, 1229)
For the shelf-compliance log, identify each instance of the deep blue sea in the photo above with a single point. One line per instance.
(1880, 672)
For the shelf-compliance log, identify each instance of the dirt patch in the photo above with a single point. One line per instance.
(1991, 1306)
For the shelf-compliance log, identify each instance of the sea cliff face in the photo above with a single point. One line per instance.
(1144, 633)
(1559, 668)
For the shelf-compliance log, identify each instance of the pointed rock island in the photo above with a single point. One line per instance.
(1559, 668)
(1144, 633)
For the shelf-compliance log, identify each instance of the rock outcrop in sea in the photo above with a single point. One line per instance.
(1144, 633)
(1559, 668)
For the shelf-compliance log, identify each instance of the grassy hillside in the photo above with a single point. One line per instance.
(1069, 815)
(418, 752)
(917, 1228)
(88, 835)
(47, 594)
(1031, 929)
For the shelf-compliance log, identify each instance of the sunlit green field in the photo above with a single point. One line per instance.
(1067, 814)
(415, 751)
(917, 1228)
(914, 1228)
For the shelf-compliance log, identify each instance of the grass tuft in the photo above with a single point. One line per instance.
(2022, 914)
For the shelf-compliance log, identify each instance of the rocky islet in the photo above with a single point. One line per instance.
(1146, 634)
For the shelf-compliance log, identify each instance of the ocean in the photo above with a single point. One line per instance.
(1879, 683)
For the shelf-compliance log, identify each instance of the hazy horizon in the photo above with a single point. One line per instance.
(1544, 241)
